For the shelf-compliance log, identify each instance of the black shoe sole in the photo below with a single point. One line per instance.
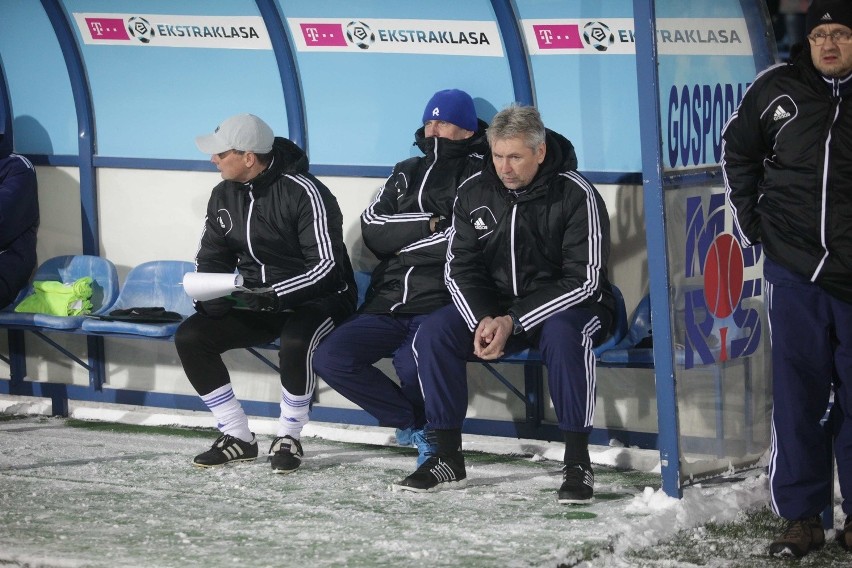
(570, 501)
(237, 460)
(460, 484)
(285, 471)
(787, 552)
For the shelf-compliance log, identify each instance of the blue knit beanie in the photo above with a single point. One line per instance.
(454, 106)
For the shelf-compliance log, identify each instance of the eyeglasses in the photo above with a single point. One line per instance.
(839, 37)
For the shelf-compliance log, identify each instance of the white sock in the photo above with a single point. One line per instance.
(294, 413)
(229, 413)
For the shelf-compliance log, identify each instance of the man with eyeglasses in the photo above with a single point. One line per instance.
(282, 230)
(787, 163)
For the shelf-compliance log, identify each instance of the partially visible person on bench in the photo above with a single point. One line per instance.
(526, 266)
(406, 228)
(19, 218)
(283, 230)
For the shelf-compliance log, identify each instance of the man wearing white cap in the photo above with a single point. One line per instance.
(282, 230)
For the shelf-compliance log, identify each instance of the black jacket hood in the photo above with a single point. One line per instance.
(559, 157)
(287, 158)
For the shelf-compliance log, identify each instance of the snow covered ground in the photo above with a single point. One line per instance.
(113, 487)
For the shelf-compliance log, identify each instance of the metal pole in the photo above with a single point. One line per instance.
(655, 229)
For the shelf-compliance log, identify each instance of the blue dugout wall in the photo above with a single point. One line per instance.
(642, 88)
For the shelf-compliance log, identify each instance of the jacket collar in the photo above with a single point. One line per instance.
(287, 158)
(443, 148)
(559, 157)
(836, 86)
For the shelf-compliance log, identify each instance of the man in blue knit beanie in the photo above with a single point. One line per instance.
(453, 106)
(406, 227)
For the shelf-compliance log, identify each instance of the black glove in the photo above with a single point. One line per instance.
(216, 308)
(264, 302)
(443, 224)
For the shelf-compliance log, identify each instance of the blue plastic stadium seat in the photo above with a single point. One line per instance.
(362, 280)
(626, 351)
(67, 269)
(157, 283)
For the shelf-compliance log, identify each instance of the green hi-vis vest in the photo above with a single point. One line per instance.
(58, 299)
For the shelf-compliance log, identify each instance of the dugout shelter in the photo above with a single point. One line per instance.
(107, 96)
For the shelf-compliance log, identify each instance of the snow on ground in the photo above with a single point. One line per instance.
(90, 495)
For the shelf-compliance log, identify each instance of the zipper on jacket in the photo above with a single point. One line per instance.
(248, 234)
(512, 249)
(426, 176)
(823, 221)
(404, 290)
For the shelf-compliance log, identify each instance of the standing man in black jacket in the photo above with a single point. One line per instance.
(282, 229)
(526, 266)
(787, 161)
(406, 228)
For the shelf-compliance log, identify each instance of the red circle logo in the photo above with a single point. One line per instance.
(723, 275)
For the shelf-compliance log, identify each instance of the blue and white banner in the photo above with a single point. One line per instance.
(160, 30)
(616, 36)
(418, 37)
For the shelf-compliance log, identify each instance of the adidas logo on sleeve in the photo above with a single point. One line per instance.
(780, 114)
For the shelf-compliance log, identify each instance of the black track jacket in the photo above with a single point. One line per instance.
(19, 220)
(283, 229)
(787, 162)
(533, 255)
(409, 278)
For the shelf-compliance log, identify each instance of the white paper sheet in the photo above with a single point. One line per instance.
(207, 286)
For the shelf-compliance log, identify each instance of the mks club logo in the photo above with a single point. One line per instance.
(720, 321)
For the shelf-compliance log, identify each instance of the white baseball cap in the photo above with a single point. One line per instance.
(244, 132)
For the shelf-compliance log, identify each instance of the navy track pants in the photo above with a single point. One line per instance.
(345, 359)
(444, 345)
(811, 338)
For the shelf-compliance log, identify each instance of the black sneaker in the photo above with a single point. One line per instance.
(578, 484)
(227, 449)
(799, 538)
(844, 535)
(285, 454)
(436, 473)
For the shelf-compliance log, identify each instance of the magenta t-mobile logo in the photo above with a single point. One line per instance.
(553, 36)
(107, 28)
(323, 35)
